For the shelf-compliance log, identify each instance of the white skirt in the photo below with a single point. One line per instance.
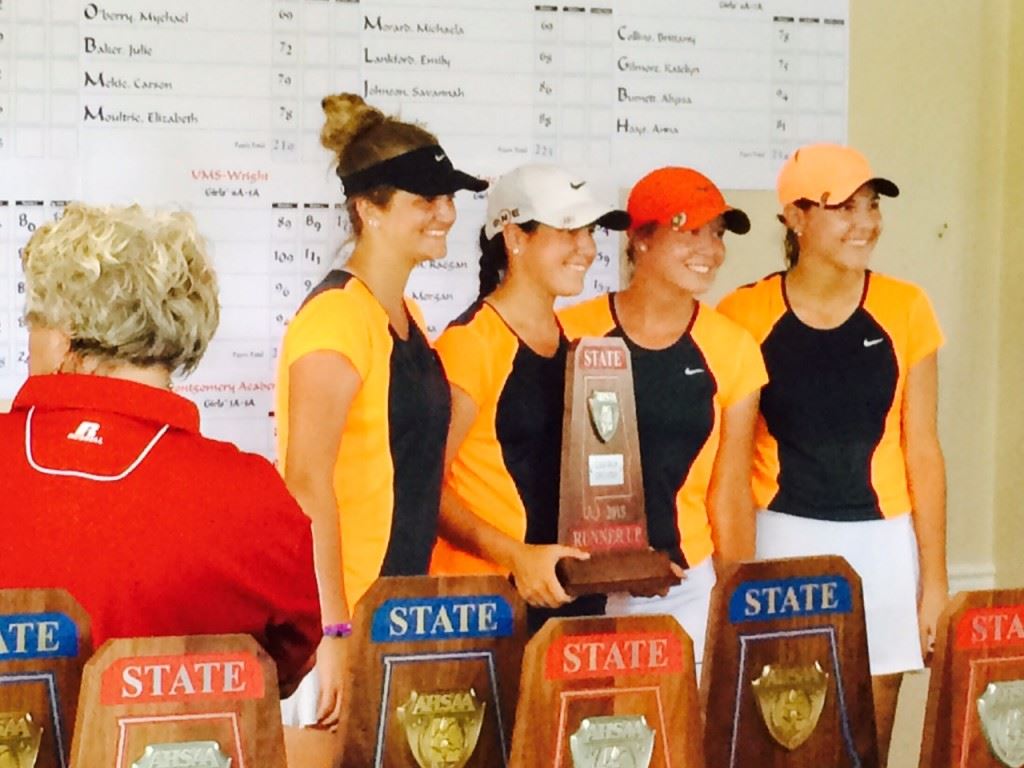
(884, 555)
(299, 709)
(688, 602)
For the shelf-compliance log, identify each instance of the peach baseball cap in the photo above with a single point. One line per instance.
(683, 199)
(828, 174)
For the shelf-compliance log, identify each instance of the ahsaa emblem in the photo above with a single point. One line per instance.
(604, 413)
(791, 700)
(623, 741)
(442, 728)
(185, 754)
(20, 739)
(1001, 709)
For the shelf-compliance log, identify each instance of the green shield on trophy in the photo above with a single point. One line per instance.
(614, 741)
(790, 700)
(442, 728)
(604, 413)
(20, 739)
(1001, 709)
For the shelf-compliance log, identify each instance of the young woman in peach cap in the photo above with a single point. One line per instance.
(696, 378)
(847, 456)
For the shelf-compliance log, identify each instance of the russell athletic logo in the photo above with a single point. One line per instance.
(87, 432)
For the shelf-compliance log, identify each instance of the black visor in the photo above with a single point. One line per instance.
(426, 171)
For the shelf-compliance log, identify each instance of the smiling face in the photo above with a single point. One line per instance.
(842, 236)
(411, 225)
(556, 260)
(687, 259)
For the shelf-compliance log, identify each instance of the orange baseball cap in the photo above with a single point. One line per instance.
(828, 174)
(683, 199)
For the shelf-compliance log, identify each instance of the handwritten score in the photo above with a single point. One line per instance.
(214, 107)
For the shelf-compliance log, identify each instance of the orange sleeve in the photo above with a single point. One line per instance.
(337, 320)
(749, 373)
(463, 353)
(925, 335)
(588, 318)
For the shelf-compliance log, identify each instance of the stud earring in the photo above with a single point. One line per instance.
(374, 223)
(515, 251)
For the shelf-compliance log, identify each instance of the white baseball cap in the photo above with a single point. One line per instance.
(549, 195)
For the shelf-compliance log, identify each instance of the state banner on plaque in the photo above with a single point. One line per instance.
(44, 643)
(204, 700)
(435, 672)
(975, 712)
(786, 679)
(604, 691)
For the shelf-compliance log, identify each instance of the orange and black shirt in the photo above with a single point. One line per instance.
(387, 478)
(680, 391)
(828, 439)
(507, 470)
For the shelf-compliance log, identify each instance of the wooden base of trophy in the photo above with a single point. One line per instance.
(435, 673)
(641, 572)
(785, 678)
(603, 691)
(209, 700)
(44, 644)
(975, 712)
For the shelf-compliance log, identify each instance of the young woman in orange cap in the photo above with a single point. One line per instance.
(847, 455)
(505, 358)
(696, 378)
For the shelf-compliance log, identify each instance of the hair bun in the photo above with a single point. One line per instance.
(346, 117)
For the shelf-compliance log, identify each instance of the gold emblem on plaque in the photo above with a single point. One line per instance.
(604, 413)
(20, 739)
(1001, 709)
(442, 728)
(185, 754)
(622, 741)
(791, 700)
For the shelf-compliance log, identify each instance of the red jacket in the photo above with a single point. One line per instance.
(108, 490)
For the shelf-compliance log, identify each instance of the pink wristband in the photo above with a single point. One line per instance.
(342, 629)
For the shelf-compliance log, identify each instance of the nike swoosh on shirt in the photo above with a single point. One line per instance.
(439, 158)
(872, 342)
(693, 371)
(577, 185)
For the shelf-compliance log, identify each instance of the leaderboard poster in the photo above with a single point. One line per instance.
(214, 107)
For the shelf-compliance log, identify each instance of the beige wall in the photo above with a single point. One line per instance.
(928, 104)
(1009, 447)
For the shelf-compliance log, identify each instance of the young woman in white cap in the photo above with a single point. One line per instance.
(362, 402)
(847, 456)
(505, 358)
(696, 378)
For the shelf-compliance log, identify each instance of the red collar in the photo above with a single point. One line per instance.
(102, 393)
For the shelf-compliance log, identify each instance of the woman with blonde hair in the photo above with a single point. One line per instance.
(847, 454)
(111, 491)
(362, 402)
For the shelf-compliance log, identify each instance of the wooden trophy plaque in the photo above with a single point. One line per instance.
(601, 507)
(604, 691)
(205, 700)
(435, 673)
(786, 680)
(44, 643)
(975, 712)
